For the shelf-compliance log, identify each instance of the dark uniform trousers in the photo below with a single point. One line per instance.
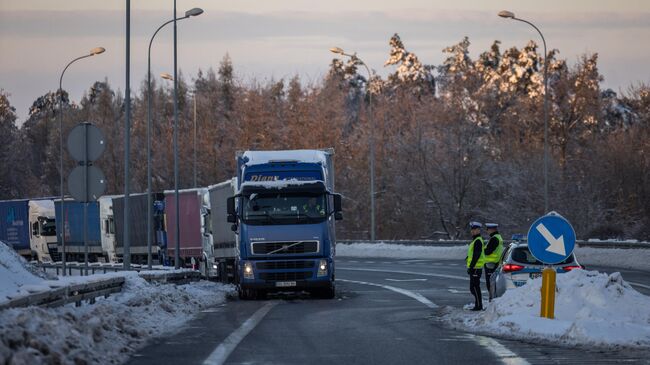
(488, 276)
(475, 286)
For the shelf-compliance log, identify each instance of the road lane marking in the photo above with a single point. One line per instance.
(639, 285)
(503, 353)
(403, 280)
(407, 272)
(420, 298)
(221, 353)
(500, 351)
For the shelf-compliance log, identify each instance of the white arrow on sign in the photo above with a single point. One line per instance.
(556, 245)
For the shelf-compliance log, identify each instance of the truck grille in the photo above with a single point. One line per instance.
(285, 276)
(291, 247)
(283, 265)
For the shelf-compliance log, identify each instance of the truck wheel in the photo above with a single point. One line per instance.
(326, 293)
(247, 294)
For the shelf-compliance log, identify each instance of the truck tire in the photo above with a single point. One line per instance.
(326, 293)
(247, 294)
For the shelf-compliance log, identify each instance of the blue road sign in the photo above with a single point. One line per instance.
(551, 239)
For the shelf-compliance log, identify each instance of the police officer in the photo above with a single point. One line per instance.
(492, 251)
(475, 261)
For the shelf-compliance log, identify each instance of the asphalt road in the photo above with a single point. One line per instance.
(385, 313)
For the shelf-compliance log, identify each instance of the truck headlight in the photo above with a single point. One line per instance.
(248, 271)
(215, 266)
(322, 268)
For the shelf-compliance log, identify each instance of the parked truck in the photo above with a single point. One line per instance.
(28, 226)
(111, 215)
(220, 253)
(72, 221)
(284, 215)
(194, 209)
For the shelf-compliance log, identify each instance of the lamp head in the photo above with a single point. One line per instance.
(97, 50)
(167, 76)
(506, 14)
(193, 12)
(337, 50)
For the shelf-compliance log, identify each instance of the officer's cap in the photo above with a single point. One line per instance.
(491, 225)
(473, 225)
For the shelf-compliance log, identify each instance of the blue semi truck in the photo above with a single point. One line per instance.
(72, 219)
(284, 217)
(28, 226)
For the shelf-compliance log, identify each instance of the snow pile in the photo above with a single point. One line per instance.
(384, 250)
(15, 273)
(106, 332)
(591, 309)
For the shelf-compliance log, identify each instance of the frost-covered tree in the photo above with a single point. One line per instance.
(411, 74)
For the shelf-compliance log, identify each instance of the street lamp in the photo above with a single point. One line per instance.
(510, 15)
(189, 13)
(371, 141)
(94, 51)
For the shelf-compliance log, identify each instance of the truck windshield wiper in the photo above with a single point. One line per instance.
(285, 247)
(264, 213)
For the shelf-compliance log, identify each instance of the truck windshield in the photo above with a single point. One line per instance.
(282, 208)
(49, 227)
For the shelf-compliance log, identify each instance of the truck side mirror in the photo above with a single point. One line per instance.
(337, 203)
(232, 216)
(338, 216)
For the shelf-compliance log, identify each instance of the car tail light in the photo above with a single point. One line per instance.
(571, 267)
(512, 267)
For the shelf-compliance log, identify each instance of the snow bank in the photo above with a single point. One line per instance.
(621, 258)
(617, 257)
(15, 273)
(591, 309)
(106, 332)
(384, 250)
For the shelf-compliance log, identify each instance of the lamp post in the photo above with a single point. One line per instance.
(94, 51)
(510, 15)
(189, 13)
(195, 138)
(371, 141)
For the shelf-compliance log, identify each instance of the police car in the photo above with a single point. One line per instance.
(518, 266)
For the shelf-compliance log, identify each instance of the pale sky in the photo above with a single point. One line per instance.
(281, 38)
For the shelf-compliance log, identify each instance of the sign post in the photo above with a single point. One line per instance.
(551, 239)
(86, 182)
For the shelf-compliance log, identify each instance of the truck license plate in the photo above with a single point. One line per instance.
(285, 284)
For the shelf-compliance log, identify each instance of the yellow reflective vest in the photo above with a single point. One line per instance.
(496, 254)
(476, 242)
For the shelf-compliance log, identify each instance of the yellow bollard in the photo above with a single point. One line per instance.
(547, 309)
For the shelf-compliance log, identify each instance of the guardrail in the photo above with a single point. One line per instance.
(447, 243)
(58, 294)
(54, 294)
(93, 268)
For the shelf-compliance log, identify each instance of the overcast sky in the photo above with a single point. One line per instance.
(281, 38)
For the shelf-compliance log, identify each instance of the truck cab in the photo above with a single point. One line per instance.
(284, 215)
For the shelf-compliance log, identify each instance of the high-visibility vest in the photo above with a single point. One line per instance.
(496, 254)
(470, 253)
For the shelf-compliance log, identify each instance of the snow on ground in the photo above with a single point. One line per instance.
(108, 331)
(621, 258)
(636, 258)
(591, 309)
(385, 250)
(15, 272)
